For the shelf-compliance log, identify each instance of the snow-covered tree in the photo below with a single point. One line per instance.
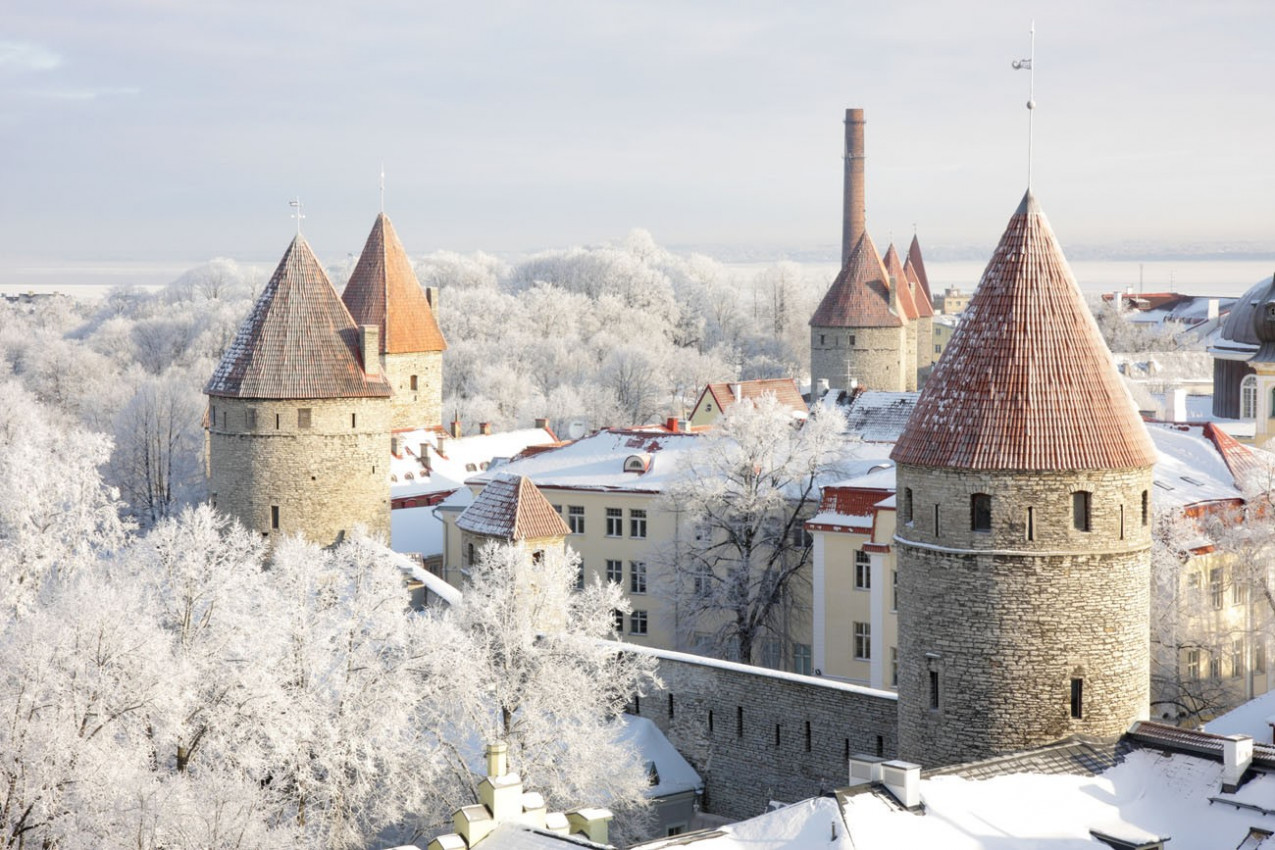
(746, 492)
(525, 658)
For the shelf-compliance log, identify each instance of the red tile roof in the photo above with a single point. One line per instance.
(851, 501)
(512, 508)
(860, 296)
(918, 263)
(899, 278)
(384, 291)
(783, 389)
(924, 308)
(298, 342)
(1026, 382)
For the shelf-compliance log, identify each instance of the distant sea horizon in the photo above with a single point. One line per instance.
(1209, 275)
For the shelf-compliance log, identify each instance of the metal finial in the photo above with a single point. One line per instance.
(382, 187)
(298, 215)
(1028, 65)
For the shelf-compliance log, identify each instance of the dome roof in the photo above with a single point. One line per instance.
(1238, 326)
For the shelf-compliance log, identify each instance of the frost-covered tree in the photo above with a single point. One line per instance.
(526, 658)
(746, 492)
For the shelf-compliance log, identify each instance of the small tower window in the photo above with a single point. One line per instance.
(1272, 412)
(1078, 698)
(276, 421)
(1146, 505)
(250, 418)
(1248, 397)
(354, 419)
(906, 507)
(274, 517)
(934, 690)
(1031, 523)
(936, 521)
(1080, 506)
(412, 382)
(850, 341)
(980, 512)
(303, 417)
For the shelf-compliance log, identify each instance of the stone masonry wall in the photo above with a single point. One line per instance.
(1007, 623)
(876, 360)
(323, 479)
(422, 407)
(756, 735)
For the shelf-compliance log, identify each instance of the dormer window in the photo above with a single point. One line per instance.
(637, 463)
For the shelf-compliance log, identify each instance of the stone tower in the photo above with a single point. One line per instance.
(898, 280)
(383, 291)
(299, 414)
(1024, 480)
(925, 356)
(859, 332)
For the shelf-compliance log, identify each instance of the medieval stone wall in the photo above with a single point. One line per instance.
(875, 360)
(756, 735)
(996, 626)
(319, 479)
(421, 407)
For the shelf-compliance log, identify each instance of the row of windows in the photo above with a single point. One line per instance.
(1237, 667)
(305, 418)
(637, 622)
(981, 513)
(877, 742)
(836, 340)
(637, 574)
(614, 518)
(1217, 588)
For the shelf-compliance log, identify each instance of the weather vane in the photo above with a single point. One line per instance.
(1027, 65)
(298, 215)
(382, 187)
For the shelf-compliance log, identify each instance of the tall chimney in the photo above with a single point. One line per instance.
(370, 348)
(853, 211)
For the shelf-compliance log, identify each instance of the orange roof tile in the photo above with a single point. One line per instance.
(298, 342)
(384, 291)
(924, 308)
(1026, 382)
(512, 508)
(783, 389)
(898, 277)
(860, 296)
(918, 263)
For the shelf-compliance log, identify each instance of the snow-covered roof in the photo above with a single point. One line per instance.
(877, 416)
(416, 530)
(675, 774)
(1189, 468)
(596, 462)
(1253, 718)
(512, 508)
(453, 459)
(808, 824)
(1148, 794)
(433, 583)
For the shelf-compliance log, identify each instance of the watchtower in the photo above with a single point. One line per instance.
(299, 414)
(1024, 482)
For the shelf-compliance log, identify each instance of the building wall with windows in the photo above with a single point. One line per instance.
(318, 467)
(875, 358)
(417, 381)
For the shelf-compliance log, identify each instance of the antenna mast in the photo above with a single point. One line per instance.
(382, 188)
(298, 215)
(1028, 65)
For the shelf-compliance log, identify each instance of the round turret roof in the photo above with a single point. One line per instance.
(1238, 326)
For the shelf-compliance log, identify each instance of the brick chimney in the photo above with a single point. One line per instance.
(543, 424)
(370, 348)
(484, 428)
(854, 215)
(456, 432)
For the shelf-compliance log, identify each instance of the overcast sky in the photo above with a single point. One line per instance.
(161, 130)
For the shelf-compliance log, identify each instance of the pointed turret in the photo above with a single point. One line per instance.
(299, 342)
(898, 279)
(918, 263)
(384, 291)
(512, 508)
(860, 295)
(1027, 381)
(925, 354)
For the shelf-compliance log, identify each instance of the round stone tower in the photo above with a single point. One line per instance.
(383, 291)
(1024, 485)
(298, 428)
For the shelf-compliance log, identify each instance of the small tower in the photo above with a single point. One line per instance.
(299, 414)
(1263, 363)
(925, 355)
(898, 280)
(859, 332)
(1024, 481)
(383, 291)
(511, 509)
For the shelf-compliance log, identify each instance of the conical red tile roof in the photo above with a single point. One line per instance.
(896, 274)
(860, 296)
(384, 291)
(918, 263)
(924, 308)
(1027, 382)
(513, 508)
(298, 342)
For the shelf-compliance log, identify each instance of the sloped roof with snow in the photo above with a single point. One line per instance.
(451, 460)
(512, 508)
(783, 389)
(299, 342)
(1026, 382)
(813, 823)
(1157, 790)
(860, 295)
(383, 291)
(675, 773)
(879, 416)
(1189, 467)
